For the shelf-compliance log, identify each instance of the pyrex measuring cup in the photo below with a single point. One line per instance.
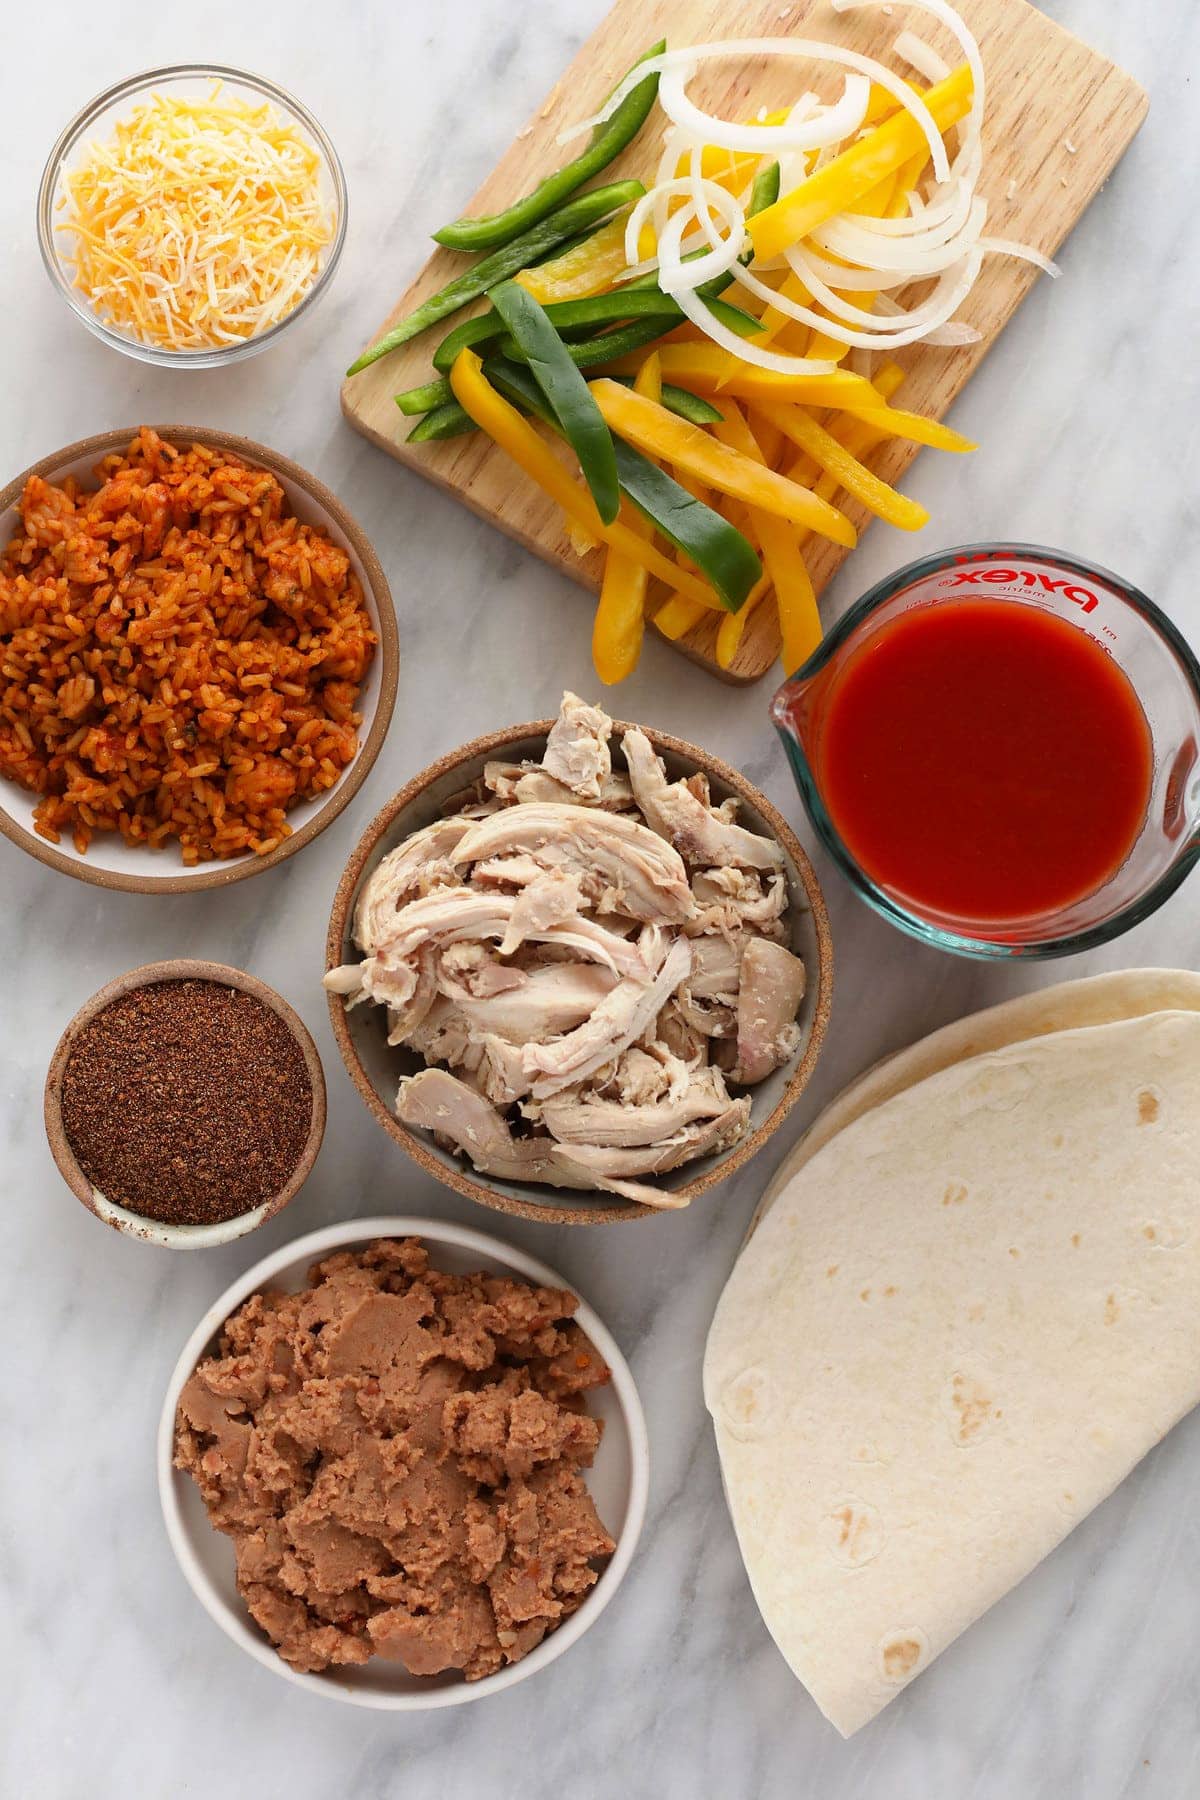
(1159, 665)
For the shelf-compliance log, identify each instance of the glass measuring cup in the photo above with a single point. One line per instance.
(1146, 646)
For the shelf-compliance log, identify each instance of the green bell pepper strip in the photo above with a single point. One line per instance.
(425, 399)
(442, 422)
(520, 254)
(569, 397)
(682, 402)
(570, 316)
(764, 189)
(725, 558)
(590, 354)
(607, 142)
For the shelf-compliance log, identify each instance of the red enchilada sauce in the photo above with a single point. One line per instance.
(985, 761)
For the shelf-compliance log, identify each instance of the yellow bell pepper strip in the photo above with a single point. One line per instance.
(852, 434)
(888, 377)
(620, 622)
(800, 622)
(892, 422)
(877, 204)
(680, 614)
(835, 459)
(607, 142)
(769, 441)
(882, 102)
(773, 319)
(710, 369)
(846, 178)
(649, 383)
(732, 627)
(657, 432)
(503, 423)
(586, 209)
(582, 270)
(582, 542)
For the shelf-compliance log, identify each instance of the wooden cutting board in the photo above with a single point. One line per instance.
(1058, 119)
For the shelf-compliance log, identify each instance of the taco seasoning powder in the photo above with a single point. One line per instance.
(188, 1102)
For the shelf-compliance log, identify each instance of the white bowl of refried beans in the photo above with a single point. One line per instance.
(450, 1509)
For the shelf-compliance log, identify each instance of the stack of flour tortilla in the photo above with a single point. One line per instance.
(969, 1304)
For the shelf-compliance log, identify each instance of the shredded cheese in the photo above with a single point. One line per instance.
(200, 224)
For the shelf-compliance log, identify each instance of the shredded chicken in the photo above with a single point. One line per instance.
(526, 782)
(623, 866)
(577, 752)
(704, 837)
(583, 957)
(771, 989)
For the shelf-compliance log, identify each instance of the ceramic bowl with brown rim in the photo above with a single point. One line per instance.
(375, 1068)
(152, 1231)
(109, 861)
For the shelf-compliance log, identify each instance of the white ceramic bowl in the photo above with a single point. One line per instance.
(111, 862)
(617, 1481)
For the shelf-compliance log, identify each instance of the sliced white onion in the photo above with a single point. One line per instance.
(921, 56)
(925, 216)
(857, 243)
(722, 254)
(969, 161)
(809, 132)
(941, 241)
(939, 9)
(744, 348)
(1010, 247)
(645, 207)
(809, 49)
(870, 281)
(704, 196)
(954, 334)
(905, 327)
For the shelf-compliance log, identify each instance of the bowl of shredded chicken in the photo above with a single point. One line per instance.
(579, 970)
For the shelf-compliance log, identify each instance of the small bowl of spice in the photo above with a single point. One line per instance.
(185, 1104)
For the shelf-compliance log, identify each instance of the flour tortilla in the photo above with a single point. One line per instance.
(1093, 1000)
(962, 1323)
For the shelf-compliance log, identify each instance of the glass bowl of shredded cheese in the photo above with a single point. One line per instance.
(191, 214)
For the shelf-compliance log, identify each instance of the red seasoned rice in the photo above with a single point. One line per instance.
(180, 657)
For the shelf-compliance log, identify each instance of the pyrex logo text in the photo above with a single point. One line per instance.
(1029, 578)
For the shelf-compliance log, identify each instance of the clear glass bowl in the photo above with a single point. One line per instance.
(98, 119)
(1162, 670)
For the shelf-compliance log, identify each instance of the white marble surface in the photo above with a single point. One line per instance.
(1083, 1685)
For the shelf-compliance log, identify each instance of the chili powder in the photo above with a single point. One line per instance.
(188, 1102)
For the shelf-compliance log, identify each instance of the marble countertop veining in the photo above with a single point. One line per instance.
(1083, 1684)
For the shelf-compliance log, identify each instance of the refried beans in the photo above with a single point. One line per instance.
(396, 1453)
